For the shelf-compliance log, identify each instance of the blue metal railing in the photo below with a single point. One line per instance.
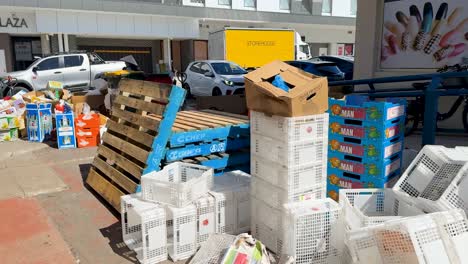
(431, 92)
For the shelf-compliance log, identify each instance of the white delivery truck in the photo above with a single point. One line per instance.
(255, 47)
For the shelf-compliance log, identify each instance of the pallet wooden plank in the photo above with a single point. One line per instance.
(141, 105)
(139, 120)
(115, 175)
(133, 133)
(206, 119)
(192, 123)
(236, 116)
(104, 188)
(126, 147)
(175, 127)
(157, 91)
(217, 118)
(121, 161)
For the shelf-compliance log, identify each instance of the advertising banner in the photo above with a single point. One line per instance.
(420, 34)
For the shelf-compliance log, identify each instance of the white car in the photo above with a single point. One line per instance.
(214, 78)
(76, 71)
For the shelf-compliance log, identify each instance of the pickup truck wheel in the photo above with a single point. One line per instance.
(216, 92)
(18, 89)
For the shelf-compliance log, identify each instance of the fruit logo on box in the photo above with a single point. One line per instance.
(348, 112)
(333, 195)
(348, 131)
(373, 113)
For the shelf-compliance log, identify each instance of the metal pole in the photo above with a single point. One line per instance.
(430, 112)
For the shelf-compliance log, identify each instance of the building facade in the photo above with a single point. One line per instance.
(161, 34)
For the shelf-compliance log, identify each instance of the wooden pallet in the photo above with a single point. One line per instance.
(144, 130)
(133, 138)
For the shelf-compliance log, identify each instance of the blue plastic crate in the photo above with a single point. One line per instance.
(370, 130)
(338, 179)
(39, 121)
(361, 108)
(65, 126)
(365, 149)
(371, 168)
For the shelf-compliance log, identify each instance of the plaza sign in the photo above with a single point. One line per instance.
(13, 21)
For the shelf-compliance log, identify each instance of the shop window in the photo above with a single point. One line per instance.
(48, 64)
(284, 5)
(249, 3)
(73, 61)
(224, 2)
(327, 6)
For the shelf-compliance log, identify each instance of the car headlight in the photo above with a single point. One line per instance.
(228, 83)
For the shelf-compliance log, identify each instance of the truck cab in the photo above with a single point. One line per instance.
(302, 49)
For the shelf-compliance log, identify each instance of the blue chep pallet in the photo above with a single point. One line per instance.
(205, 149)
(365, 149)
(369, 130)
(338, 179)
(361, 108)
(179, 139)
(370, 168)
(221, 160)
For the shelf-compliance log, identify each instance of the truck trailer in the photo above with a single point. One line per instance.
(255, 47)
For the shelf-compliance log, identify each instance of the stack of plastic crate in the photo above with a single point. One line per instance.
(365, 143)
(184, 202)
(288, 164)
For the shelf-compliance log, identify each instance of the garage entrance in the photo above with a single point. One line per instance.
(142, 55)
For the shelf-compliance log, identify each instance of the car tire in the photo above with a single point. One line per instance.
(187, 88)
(20, 88)
(216, 92)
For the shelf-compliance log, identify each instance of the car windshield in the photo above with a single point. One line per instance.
(227, 68)
(328, 69)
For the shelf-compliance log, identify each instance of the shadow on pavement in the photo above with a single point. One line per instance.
(114, 234)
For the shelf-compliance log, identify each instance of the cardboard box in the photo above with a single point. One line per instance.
(87, 137)
(7, 122)
(235, 104)
(9, 135)
(65, 130)
(39, 121)
(308, 94)
(88, 121)
(96, 102)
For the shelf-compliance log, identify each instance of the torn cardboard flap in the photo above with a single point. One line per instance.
(308, 94)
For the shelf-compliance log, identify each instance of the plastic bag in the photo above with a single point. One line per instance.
(246, 250)
(279, 83)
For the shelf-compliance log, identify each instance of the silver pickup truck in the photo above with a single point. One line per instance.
(76, 71)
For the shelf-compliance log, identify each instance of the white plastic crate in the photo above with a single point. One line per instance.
(231, 179)
(289, 154)
(293, 179)
(146, 220)
(270, 237)
(206, 221)
(181, 231)
(177, 184)
(437, 238)
(232, 209)
(313, 232)
(277, 197)
(213, 249)
(290, 129)
(367, 207)
(267, 216)
(436, 180)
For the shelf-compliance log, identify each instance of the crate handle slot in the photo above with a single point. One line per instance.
(353, 122)
(395, 139)
(352, 158)
(352, 140)
(394, 158)
(396, 121)
(352, 176)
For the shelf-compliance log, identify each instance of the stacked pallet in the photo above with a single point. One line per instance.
(288, 165)
(366, 143)
(146, 131)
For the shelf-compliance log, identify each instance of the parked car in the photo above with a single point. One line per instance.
(345, 63)
(320, 68)
(214, 78)
(75, 70)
